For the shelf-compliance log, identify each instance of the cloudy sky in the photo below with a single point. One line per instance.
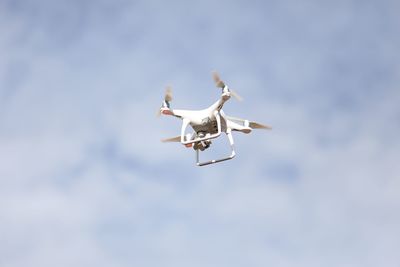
(84, 180)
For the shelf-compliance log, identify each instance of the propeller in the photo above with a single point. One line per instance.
(251, 124)
(168, 94)
(220, 84)
(167, 98)
(256, 125)
(237, 96)
(172, 139)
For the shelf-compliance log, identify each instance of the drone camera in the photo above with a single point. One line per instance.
(202, 145)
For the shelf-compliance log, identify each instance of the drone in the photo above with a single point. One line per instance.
(209, 123)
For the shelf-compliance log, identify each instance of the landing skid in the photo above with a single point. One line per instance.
(198, 163)
(231, 156)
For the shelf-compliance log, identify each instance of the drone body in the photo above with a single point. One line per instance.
(208, 124)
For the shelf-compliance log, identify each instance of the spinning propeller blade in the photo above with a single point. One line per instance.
(167, 98)
(252, 124)
(172, 139)
(236, 95)
(168, 94)
(220, 84)
(256, 125)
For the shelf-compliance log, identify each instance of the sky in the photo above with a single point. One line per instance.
(85, 180)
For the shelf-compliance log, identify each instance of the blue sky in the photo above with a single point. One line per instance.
(85, 181)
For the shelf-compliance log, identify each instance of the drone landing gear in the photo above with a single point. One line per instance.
(231, 156)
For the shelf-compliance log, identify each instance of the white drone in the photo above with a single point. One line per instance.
(208, 123)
